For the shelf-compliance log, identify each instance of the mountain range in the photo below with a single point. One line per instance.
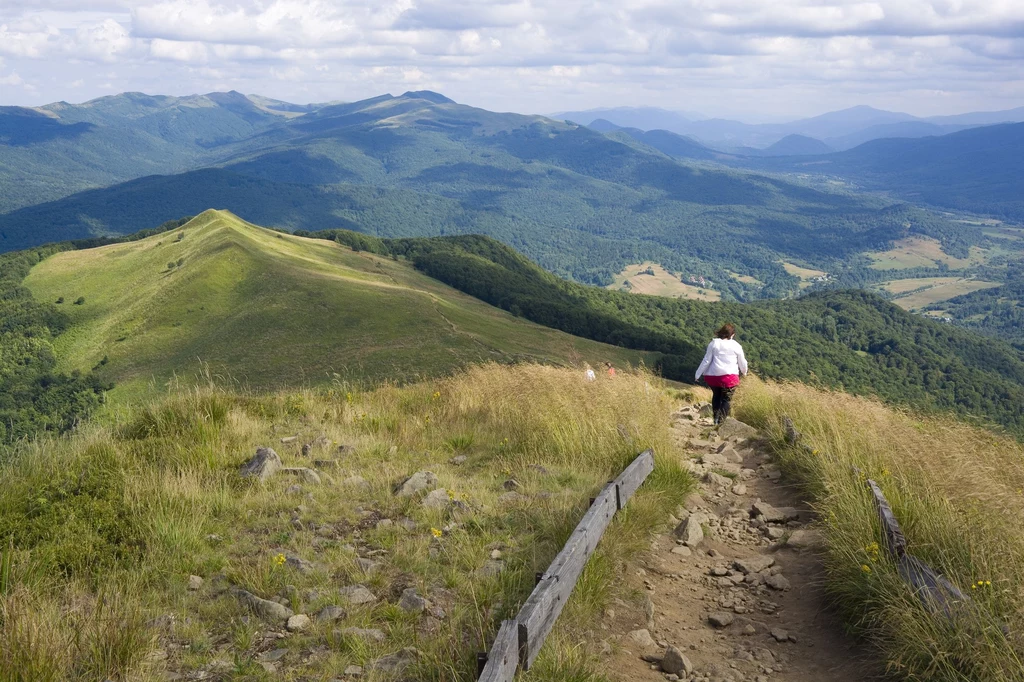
(582, 203)
(839, 130)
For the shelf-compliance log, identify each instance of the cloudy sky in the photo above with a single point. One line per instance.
(752, 59)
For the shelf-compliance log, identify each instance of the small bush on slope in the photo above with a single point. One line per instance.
(958, 493)
(172, 469)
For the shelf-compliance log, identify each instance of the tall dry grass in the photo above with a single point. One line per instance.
(958, 492)
(107, 525)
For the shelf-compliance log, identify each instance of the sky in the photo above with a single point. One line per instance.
(755, 60)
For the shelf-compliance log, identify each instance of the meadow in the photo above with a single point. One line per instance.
(107, 527)
(268, 310)
(662, 283)
(958, 492)
(912, 294)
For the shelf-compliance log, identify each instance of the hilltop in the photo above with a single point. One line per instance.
(268, 310)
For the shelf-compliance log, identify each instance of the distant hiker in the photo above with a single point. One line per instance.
(590, 373)
(610, 369)
(721, 368)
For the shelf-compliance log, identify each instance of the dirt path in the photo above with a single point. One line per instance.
(743, 603)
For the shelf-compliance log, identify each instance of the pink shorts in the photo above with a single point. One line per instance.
(723, 381)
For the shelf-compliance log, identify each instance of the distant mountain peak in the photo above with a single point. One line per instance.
(429, 95)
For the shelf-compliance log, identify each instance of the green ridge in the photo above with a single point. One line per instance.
(267, 310)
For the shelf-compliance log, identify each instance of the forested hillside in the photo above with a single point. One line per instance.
(848, 339)
(581, 203)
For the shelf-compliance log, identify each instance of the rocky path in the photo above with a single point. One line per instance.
(734, 593)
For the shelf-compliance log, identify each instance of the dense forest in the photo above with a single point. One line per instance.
(852, 340)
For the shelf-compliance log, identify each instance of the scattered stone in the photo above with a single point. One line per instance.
(774, 533)
(353, 671)
(307, 448)
(264, 608)
(642, 638)
(295, 489)
(780, 635)
(458, 460)
(436, 499)
(273, 656)
(772, 514)
(298, 623)
(512, 498)
(417, 483)
(512, 484)
(538, 469)
(385, 523)
(717, 481)
(289, 439)
(355, 482)
(693, 501)
(739, 489)
(805, 539)
(365, 633)
(367, 566)
(264, 464)
(490, 568)
(721, 619)
(411, 602)
(690, 531)
(195, 583)
(331, 613)
(754, 564)
(675, 662)
(299, 564)
(681, 550)
(713, 459)
(346, 450)
(396, 663)
(305, 474)
(777, 582)
(734, 428)
(357, 595)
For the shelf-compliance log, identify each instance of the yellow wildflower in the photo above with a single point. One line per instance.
(436, 533)
(279, 559)
(865, 568)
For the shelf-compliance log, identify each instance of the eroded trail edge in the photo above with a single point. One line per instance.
(735, 592)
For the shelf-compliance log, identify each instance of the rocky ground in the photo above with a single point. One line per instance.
(734, 593)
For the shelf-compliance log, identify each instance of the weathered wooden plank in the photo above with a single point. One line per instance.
(536, 619)
(503, 658)
(634, 475)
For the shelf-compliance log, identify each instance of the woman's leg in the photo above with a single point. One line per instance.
(725, 402)
(716, 403)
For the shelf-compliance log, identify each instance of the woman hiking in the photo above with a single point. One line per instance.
(721, 368)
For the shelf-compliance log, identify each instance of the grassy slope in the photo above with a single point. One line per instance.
(99, 556)
(273, 310)
(958, 493)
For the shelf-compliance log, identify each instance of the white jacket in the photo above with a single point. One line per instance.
(724, 356)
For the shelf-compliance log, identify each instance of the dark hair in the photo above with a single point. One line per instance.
(726, 331)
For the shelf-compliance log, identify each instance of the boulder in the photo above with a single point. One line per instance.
(411, 602)
(365, 633)
(675, 662)
(298, 623)
(772, 514)
(777, 582)
(299, 564)
(734, 428)
(304, 474)
(396, 663)
(436, 499)
(714, 460)
(357, 595)
(720, 619)
(642, 638)
(805, 539)
(264, 464)
(754, 564)
(690, 531)
(264, 608)
(717, 481)
(194, 583)
(331, 613)
(417, 483)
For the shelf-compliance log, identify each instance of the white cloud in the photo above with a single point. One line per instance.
(11, 79)
(540, 54)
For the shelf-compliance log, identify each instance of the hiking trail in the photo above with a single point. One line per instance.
(734, 593)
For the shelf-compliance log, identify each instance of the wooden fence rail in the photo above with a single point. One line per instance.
(932, 588)
(519, 641)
